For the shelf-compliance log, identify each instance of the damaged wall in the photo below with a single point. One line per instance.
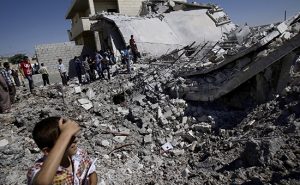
(130, 7)
(50, 53)
(166, 32)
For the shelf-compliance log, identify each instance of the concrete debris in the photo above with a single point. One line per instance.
(85, 103)
(77, 89)
(207, 112)
(3, 142)
(167, 147)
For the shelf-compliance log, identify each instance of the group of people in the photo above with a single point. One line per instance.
(90, 66)
(9, 79)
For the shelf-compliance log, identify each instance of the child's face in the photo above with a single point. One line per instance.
(72, 147)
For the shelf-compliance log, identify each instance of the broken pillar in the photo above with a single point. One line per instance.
(284, 75)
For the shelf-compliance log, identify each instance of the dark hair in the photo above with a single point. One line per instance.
(46, 132)
(25, 57)
(42, 64)
(6, 64)
(59, 60)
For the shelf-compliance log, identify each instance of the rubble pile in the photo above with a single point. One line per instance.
(141, 135)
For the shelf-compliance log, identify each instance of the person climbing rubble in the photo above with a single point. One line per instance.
(134, 49)
(63, 72)
(6, 73)
(63, 162)
(26, 71)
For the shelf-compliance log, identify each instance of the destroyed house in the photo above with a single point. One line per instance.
(163, 30)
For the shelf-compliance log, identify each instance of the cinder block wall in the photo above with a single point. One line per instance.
(130, 7)
(50, 53)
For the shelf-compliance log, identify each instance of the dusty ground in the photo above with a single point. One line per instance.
(258, 145)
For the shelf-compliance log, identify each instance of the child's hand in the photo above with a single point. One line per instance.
(68, 126)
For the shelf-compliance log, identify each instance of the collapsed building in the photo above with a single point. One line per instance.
(163, 124)
(159, 33)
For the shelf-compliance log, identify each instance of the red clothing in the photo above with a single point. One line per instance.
(26, 67)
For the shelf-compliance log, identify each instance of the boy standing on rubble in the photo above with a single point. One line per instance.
(62, 163)
(63, 72)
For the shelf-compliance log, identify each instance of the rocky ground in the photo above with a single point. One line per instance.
(140, 135)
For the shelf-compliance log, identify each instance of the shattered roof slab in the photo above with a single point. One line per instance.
(157, 35)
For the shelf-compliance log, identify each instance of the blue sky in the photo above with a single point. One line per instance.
(26, 23)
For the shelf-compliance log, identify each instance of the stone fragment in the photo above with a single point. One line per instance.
(167, 147)
(105, 143)
(77, 89)
(122, 111)
(184, 120)
(120, 139)
(202, 127)
(90, 94)
(178, 152)
(148, 139)
(3, 142)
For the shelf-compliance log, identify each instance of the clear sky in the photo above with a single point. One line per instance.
(26, 23)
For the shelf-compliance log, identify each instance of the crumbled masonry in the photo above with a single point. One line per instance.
(212, 112)
(141, 135)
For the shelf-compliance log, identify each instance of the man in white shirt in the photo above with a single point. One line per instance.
(63, 72)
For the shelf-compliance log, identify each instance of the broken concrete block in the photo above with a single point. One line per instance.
(120, 139)
(122, 111)
(167, 147)
(85, 103)
(282, 27)
(96, 122)
(178, 152)
(77, 89)
(202, 127)
(168, 114)
(3, 142)
(139, 99)
(90, 94)
(105, 143)
(148, 139)
(184, 120)
(185, 172)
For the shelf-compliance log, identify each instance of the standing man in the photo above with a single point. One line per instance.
(63, 72)
(78, 67)
(6, 73)
(45, 75)
(98, 58)
(4, 96)
(134, 49)
(26, 70)
(15, 75)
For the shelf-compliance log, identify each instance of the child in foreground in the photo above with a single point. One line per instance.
(63, 162)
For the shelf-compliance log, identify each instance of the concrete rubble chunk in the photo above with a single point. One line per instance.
(202, 127)
(167, 147)
(3, 142)
(105, 143)
(90, 94)
(120, 139)
(148, 139)
(85, 103)
(77, 89)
